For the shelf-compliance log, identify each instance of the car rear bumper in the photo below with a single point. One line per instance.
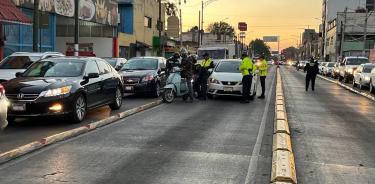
(140, 87)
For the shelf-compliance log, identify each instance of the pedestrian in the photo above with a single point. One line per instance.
(263, 71)
(206, 64)
(247, 69)
(311, 69)
(187, 71)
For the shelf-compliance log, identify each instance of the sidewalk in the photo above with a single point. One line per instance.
(333, 131)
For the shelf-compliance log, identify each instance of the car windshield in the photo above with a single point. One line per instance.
(141, 64)
(64, 68)
(228, 67)
(214, 54)
(18, 62)
(368, 69)
(331, 64)
(112, 62)
(356, 61)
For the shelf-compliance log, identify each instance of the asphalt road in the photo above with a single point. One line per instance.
(217, 141)
(27, 130)
(332, 132)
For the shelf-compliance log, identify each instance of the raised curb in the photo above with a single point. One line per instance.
(33, 146)
(283, 165)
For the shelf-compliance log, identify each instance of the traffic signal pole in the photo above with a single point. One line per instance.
(36, 26)
(76, 28)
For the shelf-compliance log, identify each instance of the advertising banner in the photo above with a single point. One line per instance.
(270, 38)
(99, 11)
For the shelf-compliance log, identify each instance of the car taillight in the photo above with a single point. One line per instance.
(2, 90)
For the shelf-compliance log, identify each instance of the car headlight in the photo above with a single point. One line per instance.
(350, 70)
(147, 78)
(56, 92)
(367, 78)
(212, 80)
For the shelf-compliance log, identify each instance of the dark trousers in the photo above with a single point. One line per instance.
(263, 84)
(203, 86)
(246, 87)
(312, 79)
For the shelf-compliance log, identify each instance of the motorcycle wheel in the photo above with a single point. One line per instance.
(169, 96)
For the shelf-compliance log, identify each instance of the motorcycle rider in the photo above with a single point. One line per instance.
(187, 71)
(172, 62)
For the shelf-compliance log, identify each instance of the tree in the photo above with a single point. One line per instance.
(221, 28)
(171, 9)
(193, 29)
(290, 53)
(259, 47)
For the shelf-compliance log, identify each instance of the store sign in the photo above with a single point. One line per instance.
(242, 26)
(270, 38)
(99, 11)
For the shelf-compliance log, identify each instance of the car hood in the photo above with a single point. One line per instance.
(136, 73)
(7, 74)
(351, 66)
(35, 85)
(234, 77)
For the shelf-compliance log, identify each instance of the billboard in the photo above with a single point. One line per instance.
(271, 38)
(99, 11)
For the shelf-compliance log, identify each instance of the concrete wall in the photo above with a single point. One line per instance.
(334, 6)
(103, 47)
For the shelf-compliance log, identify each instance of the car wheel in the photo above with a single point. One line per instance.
(157, 90)
(79, 109)
(168, 96)
(372, 88)
(117, 102)
(361, 87)
(11, 120)
(354, 84)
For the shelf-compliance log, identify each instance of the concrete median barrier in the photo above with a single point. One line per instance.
(283, 165)
(33, 146)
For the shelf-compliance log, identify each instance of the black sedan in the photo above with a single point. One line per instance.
(67, 86)
(144, 75)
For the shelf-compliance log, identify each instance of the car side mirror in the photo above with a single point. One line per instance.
(19, 74)
(92, 76)
(118, 68)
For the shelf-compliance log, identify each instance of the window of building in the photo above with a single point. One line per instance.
(148, 22)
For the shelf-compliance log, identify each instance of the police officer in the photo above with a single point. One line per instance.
(247, 69)
(311, 70)
(187, 71)
(263, 71)
(206, 64)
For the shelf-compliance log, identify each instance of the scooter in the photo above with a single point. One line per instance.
(176, 87)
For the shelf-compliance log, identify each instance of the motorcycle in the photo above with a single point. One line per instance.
(176, 87)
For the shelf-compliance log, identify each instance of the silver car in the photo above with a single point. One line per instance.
(3, 108)
(361, 77)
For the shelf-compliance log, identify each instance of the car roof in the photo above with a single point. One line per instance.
(368, 64)
(355, 57)
(229, 60)
(37, 54)
(147, 57)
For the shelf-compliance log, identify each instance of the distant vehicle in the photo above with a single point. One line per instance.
(362, 76)
(19, 61)
(116, 63)
(216, 53)
(3, 108)
(301, 65)
(226, 79)
(348, 66)
(328, 69)
(145, 75)
(65, 86)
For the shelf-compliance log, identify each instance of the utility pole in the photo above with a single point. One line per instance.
(36, 26)
(160, 27)
(202, 34)
(324, 31)
(181, 27)
(76, 28)
(343, 25)
(199, 30)
(365, 32)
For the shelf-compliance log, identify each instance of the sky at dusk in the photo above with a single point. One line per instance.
(284, 18)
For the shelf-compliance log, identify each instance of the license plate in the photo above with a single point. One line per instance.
(129, 88)
(18, 107)
(228, 89)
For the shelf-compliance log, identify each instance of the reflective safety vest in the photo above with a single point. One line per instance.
(247, 66)
(263, 68)
(207, 63)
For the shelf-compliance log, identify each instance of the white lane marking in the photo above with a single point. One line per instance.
(250, 177)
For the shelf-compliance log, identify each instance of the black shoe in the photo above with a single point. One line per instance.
(245, 101)
(261, 97)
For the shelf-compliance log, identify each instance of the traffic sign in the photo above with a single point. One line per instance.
(242, 26)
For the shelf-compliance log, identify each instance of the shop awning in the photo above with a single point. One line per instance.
(9, 13)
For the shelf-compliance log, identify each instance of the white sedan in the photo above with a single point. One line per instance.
(226, 79)
(3, 108)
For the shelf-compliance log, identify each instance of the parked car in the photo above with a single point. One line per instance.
(301, 65)
(19, 61)
(321, 66)
(145, 75)
(362, 76)
(226, 79)
(116, 63)
(336, 70)
(3, 108)
(65, 86)
(348, 66)
(328, 68)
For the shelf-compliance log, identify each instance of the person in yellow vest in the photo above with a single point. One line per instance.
(206, 64)
(247, 69)
(263, 71)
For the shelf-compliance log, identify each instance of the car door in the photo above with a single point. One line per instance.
(92, 86)
(108, 79)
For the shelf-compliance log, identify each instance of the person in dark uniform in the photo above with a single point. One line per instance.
(187, 71)
(311, 69)
(206, 64)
